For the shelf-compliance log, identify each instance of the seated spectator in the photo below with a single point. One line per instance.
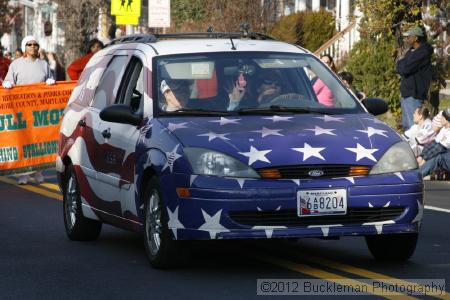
(419, 134)
(436, 154)
(176, 94)
(347, 79)
(75, 68)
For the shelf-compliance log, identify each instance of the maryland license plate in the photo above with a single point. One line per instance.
(321, 202)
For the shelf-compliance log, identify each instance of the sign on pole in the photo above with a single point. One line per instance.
(126, 7)
(127, 20)
(158, 13)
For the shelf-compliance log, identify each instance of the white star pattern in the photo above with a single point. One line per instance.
(351, 179)
(296, 181)
(325, 228)
(387, 204)
(319, 130)
(399, 175)
(266, 131)
(192, 179)
(240, 181)
(419, 215)
(362, 152)
(212, 135)
(370, 205)
(225, 121)
(279, 119)
(174, 223)
(379, 225)
(375, 120)
(372, 131)
(255, 155)
(309, 151)
(212, 224)
(175, 126)
(327, 118)
(268, 229)
(171, 156)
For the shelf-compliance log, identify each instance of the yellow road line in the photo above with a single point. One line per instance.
(33, 189)
(325, 275)
(359, 271)
(51, 186)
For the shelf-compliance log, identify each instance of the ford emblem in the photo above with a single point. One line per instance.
(315, 173)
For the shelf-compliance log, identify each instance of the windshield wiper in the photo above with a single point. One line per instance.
(277, 109)
(198, 112)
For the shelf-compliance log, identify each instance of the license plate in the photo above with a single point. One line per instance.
(321, 202)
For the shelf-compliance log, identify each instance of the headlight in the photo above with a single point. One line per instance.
(399, 157)
(208, 162)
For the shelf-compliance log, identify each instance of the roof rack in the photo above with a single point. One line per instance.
(152, 38)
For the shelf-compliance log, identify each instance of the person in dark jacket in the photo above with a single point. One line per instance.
(414, 68)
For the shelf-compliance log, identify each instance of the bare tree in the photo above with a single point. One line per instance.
(80, 19)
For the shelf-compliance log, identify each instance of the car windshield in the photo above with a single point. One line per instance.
(249, 83)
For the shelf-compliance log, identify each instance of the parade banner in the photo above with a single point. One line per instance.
(30, 117)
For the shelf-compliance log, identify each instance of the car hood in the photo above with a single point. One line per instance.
(283, 140)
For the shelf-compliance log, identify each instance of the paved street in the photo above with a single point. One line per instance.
(37, 261)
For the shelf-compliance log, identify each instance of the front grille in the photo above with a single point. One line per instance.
(302, 172)
(289, 217)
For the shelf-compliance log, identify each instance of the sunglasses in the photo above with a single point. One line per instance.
(271, 81)
(32, 44)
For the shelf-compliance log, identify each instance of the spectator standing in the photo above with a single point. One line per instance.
(4, 65)
(26, 70)
(414, 68)
(56, 67)
(18, 53)
(75, 68)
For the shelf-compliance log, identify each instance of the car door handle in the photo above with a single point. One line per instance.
(106, 133)
(82, 123)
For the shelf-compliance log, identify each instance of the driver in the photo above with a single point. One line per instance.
(176, 94)
(269, 88)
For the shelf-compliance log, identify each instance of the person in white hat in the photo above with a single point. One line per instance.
(26, 70)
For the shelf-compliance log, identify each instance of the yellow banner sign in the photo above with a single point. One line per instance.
(126, 8)
(30, 117)
(127, 20)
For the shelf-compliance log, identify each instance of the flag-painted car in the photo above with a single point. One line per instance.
(223, 136)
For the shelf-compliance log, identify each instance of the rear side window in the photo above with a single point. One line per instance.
(106, 92)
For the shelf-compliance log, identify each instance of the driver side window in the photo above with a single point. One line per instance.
(132, 87)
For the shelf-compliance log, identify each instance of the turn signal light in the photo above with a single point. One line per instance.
(270, 173)
(358, 170)
(183, 192)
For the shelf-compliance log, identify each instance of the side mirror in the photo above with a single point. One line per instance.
(375, 106)
(120, 113)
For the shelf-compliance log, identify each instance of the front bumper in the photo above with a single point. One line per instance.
(230, 208)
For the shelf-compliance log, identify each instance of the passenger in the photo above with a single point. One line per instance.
(347, 79)
(176, 94)
(269, 88)
(235, 89)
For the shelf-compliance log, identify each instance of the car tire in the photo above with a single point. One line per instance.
(162, 251)
(78, 227)
(398, 247)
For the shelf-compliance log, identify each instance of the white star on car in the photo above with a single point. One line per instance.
(225, 121)
(171, 156)
(175, 126)
(319, 130)
(372, 131)
(279, 119)
(255, 155)
(212, 224)
(266, 131)
(362, 152)
(212, 135)
(309, 151)
(174, 223)
(327, 118)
